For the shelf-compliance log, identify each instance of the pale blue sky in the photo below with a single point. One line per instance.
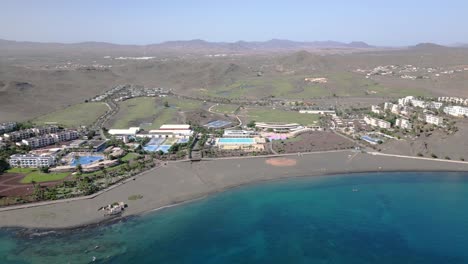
(396, 22)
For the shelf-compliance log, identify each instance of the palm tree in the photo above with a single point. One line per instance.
(106, 176)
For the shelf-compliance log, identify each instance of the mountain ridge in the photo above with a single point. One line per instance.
(195, 45)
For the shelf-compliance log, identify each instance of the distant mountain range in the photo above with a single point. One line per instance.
(196, 45)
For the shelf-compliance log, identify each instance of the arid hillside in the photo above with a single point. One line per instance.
(35, 81)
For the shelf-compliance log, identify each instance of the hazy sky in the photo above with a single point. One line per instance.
(396, 22)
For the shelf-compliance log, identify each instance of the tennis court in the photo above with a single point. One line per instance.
(218, 124)
(153, 144)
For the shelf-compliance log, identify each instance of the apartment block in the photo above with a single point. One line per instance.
(18, 135)
(435, 120)
(403, 123)
(31, 160)
(375, 122)
(65, 135)
(39, 142)
(457, 111)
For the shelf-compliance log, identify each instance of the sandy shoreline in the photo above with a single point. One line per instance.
(184, 181)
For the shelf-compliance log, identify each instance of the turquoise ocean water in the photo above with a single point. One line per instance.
(360, 218)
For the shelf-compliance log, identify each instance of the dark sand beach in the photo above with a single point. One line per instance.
(184, 181)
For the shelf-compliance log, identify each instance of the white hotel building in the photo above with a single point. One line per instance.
(403, 123)
(435, 120)
(375, 122)
(458, 111)
(31, 160)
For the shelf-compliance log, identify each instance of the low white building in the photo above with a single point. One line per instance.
(31, 160)
(405, 101)
(375, 122)
(435, 105)
(18, 135)
(39, 142)
(175, 127)
(435, 120)
(419, 103)
(403, 123)
(167, 133)
(132, 131)
(318, 112)
(376, 109)
(66, 135)
(455, 100)
(45, 130)
(457, 111)
(388, 106)
(278, 127)
(239, 133)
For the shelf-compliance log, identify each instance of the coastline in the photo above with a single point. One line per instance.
(182, 182)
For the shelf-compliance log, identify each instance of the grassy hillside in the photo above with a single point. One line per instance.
(151, 113)
(76, 115)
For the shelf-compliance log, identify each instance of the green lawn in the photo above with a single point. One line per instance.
(130, 156)
(275, 115)
(75, 115)
(21, 170)
(33, 174)
(225, 109)
(44, 177)
(135, 111)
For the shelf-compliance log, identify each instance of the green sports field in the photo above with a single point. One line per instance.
(276, 115)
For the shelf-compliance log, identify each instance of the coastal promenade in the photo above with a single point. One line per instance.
(178, 182)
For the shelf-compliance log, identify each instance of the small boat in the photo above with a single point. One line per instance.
(355, 190)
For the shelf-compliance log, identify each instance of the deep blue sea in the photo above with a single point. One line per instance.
(358, 218)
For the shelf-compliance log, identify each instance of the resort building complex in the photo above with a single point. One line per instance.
(31, 160)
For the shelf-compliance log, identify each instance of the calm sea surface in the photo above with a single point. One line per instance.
(360, 218)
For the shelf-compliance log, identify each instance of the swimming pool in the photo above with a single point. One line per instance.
(85, 160)
(236, 141)
(370, 140)
(182, 140)
(151, 148)
(164, 148)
